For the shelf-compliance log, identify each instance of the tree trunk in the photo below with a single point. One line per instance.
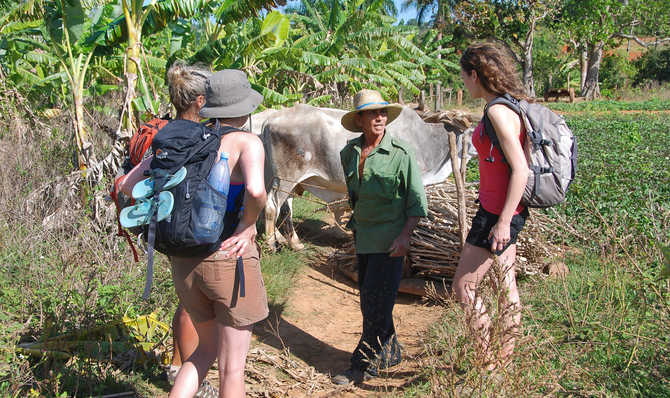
(131, 63)
(422, 101)
(440, 24)
(527, 64)
(584, 67)
(84, 148)
(591, 86)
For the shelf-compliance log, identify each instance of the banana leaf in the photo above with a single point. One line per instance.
(143, 333)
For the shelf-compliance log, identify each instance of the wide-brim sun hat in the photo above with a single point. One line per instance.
(229, 94)
(367, 100)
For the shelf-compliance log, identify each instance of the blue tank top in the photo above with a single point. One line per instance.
(234, 208)
(234, 190)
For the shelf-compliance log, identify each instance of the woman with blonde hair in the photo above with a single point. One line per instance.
(186, 84)
(489, 73)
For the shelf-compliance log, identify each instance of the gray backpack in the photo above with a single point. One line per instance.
(550, 148)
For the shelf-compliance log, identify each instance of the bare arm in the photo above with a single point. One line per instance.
(251, 162)
(135, 175)
(507, 125)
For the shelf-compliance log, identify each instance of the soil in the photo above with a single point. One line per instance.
(311, 337)
(321, 322)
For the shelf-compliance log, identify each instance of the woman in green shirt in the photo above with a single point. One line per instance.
(387, 197)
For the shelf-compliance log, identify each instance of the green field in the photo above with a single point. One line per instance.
(605, 329)
(602, 331)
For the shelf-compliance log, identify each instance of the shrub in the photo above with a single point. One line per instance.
(616, 72)
(654, 65)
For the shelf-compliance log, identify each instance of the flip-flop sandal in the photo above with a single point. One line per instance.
(139, 214)
(145, 188)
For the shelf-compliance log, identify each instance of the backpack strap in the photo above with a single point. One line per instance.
(114, 194)
(490, 131)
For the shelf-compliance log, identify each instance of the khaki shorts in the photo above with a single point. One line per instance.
(205, 287)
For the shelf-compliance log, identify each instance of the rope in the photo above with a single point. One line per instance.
(325, 205)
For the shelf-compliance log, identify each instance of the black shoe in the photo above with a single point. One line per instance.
(352, 375)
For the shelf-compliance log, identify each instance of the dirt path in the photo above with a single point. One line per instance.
(320, 326)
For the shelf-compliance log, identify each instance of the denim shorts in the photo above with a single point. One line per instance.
(484, 221)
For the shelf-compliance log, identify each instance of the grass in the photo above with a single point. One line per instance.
(608, 106)
(604, 330)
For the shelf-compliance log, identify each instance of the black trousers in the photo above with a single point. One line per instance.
(378, 281)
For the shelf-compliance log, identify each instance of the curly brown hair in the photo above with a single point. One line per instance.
(496, 70)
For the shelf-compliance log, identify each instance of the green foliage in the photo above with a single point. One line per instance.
(653, 65)
(655, 104)
(607, 327)
(615, 72)
(550, 64)
(622, 165)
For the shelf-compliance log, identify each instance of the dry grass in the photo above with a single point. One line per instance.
(64, 269)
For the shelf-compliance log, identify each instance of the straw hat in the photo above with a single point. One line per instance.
(229, 94)
(366, 100)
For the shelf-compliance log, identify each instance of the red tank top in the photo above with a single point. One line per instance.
(493, 176)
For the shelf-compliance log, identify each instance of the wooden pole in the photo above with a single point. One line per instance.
(460, 186)
(464, 153)
(459, 97)
(430, 93)
(422, 101)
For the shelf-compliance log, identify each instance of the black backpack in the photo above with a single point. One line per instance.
(550, 148)
(195, 147)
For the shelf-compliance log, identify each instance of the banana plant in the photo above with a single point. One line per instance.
(251, 46)
(140, 18)
(354, 44)
(65, 25)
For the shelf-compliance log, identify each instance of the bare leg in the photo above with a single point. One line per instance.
(233, 348)
(510, 303)
(472, 266)
(194, 370)
(184, 335)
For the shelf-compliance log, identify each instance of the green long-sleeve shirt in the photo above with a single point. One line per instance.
(389, 192)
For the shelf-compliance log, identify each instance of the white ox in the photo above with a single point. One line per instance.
(303, 144)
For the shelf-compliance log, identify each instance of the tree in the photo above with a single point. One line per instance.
(597, 24)
(137, 18)
(351, 44)
(512, 23)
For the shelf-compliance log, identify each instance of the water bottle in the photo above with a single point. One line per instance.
(219, 176)
(210, 207)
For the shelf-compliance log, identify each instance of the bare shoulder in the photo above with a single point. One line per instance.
(247, 141)
(501, 112)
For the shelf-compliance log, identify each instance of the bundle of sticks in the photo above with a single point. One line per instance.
(435, 243)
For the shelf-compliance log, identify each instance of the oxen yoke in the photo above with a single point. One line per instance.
(303, 144)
